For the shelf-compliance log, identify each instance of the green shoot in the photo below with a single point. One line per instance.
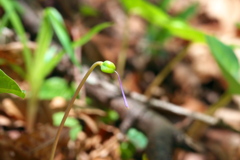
(107, 67)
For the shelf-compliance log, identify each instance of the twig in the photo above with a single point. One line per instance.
(159, 104)
(197, 127)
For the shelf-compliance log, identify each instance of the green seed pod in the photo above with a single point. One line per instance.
(108, 67)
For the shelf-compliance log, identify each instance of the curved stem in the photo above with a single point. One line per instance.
(99, 63)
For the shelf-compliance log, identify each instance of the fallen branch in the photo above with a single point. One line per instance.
(163, 136)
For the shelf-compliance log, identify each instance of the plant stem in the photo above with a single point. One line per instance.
(163, 74)
(99, 63)
(32, 111)
(224, 100)
(197, 127)
(32, 103)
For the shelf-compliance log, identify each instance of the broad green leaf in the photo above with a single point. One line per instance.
(227, 62)
(8, 85)
(137, 138)
(55, 87)
(158, 17)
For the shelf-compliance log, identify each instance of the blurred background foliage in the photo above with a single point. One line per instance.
(183, 52)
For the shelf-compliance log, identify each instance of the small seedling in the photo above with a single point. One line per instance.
(106, 67)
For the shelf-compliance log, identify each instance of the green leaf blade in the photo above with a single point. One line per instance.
(59, 27)
(44, 39)
(8, 85)
(227, 61)
(157, 16)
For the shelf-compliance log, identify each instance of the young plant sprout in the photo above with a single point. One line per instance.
(106, 67)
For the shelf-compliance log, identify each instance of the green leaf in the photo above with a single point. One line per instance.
(55, 87)
(59, 27)
(158, 17)
(164, 4)
(8, 85)
(227, 62)
(147, 11)
(137, 138)
(70, 122)
(10, 7)
(74, 132)
(181, 29)
(44, 39)
(127, 150)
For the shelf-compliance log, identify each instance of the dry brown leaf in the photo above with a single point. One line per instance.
(109, 147)
(11, 109)
(90, 122)
(223, 143)
(186, 79)
(58, 103)
(4, 121)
